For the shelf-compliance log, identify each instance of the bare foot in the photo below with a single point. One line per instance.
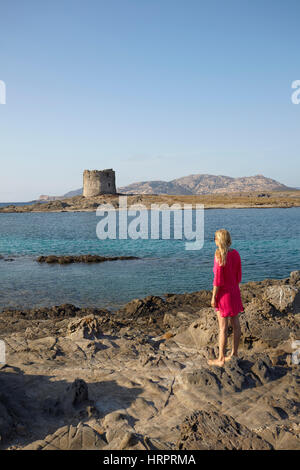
(227, 358)
(216, 362)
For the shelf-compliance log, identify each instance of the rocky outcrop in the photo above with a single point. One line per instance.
(236, 375)
(85, 328)
(282, 436)
(56, 312)
(284, 298)
(74, 402)
(51, 259)
(209, 430)
(295, 278)
(151, 305)
(139, 379)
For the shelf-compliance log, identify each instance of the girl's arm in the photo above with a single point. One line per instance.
(218, 280)
(214, 293)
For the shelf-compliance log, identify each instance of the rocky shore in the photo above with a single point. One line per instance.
(87, 378)
(238, 200)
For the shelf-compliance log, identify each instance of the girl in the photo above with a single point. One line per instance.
(226, 296)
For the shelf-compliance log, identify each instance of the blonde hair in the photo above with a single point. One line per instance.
(223, 239)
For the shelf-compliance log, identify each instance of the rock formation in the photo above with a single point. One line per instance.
(138, 378)
(68, 259)
(220, 200)
(209, 430)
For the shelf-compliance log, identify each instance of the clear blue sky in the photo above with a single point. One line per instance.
(156, 89)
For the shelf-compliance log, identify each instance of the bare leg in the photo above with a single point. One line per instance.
(235, 322)
(223, 326)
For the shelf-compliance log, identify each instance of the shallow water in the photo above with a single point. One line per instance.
(267, 239)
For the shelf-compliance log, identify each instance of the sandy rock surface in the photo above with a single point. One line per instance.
(139, 379)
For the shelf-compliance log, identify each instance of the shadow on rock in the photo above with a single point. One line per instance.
(33, 406)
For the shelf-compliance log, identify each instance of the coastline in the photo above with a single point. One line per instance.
(120, 209)
(275, 199)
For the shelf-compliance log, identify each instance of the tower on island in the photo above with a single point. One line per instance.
(97, 182)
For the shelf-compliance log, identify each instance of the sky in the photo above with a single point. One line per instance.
(155, 89)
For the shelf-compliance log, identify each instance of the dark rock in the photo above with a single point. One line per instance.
(204, 378)
(263, 369)
(56, 312)
(151, 305)
(78, 392)
(81, 259)
(85, 328)
(210, 430)
(236, 375)
(193, 301)
(73, 403)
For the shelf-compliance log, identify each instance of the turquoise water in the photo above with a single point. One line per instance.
(267, 239)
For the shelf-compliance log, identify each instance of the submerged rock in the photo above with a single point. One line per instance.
(51, 259)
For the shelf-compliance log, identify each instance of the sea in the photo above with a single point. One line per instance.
(268, 241)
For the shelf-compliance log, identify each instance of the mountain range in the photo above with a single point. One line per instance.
(194, 184)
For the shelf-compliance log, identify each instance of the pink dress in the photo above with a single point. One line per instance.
(227, 278)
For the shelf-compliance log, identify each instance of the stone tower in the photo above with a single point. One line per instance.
(99, 182)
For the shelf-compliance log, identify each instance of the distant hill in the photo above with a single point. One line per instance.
(204, 184)
(192, 185)
(76, 192)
